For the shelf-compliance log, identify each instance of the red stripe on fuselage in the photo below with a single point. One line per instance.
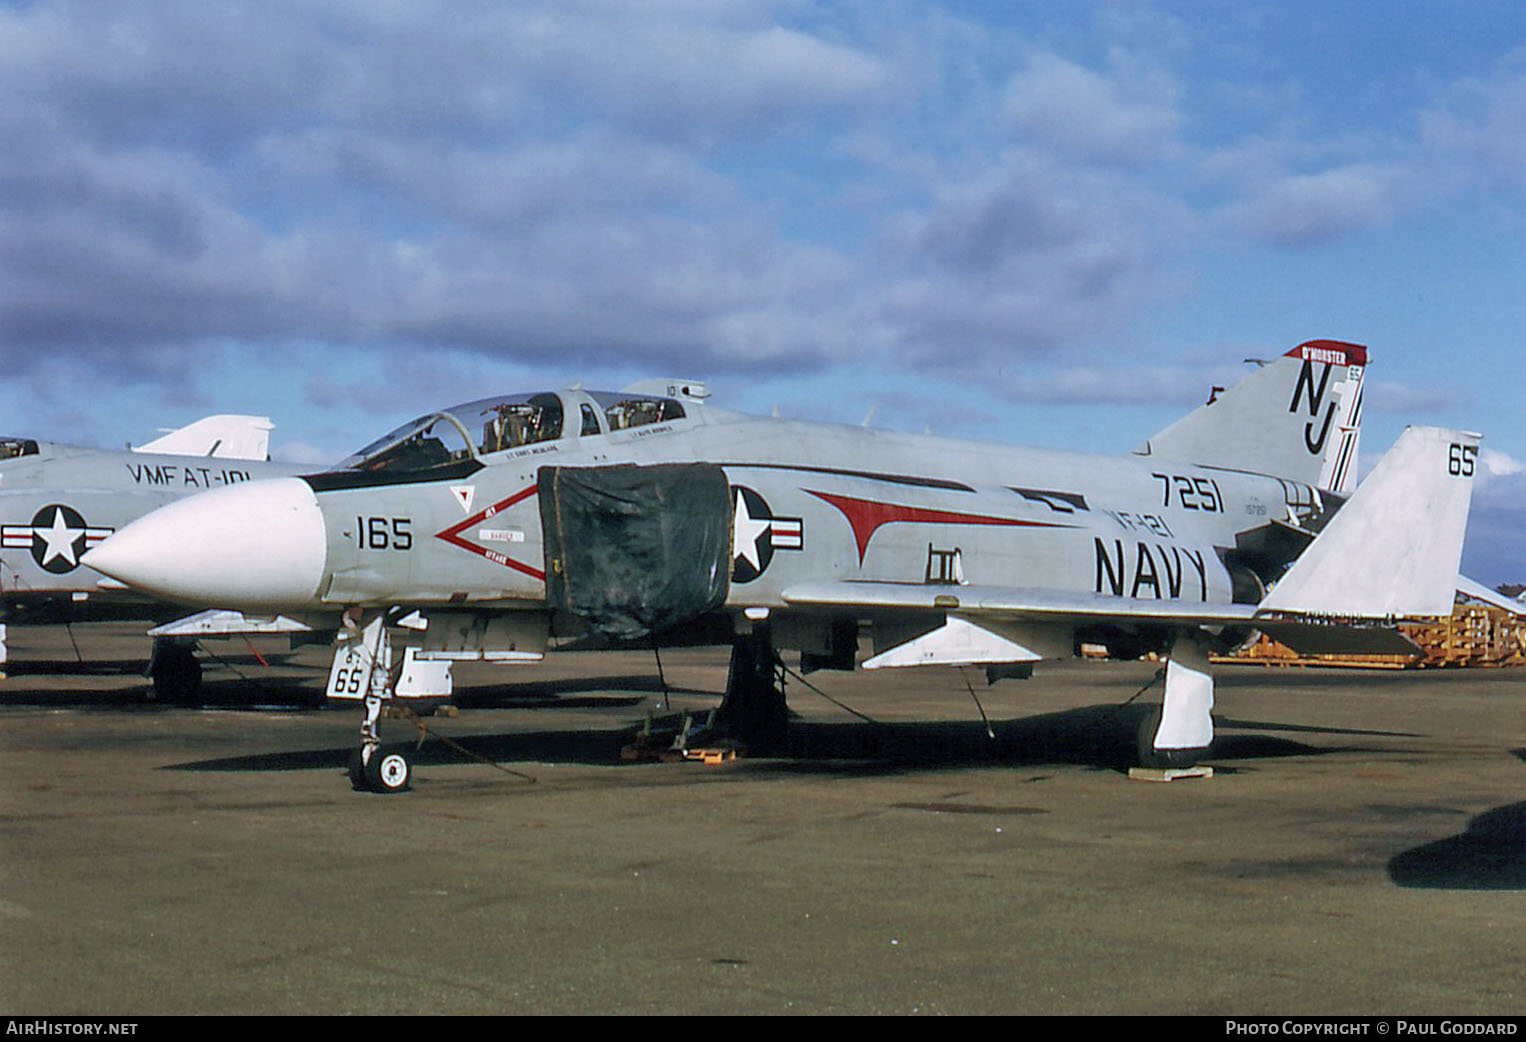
(866, 516)
(452, 534)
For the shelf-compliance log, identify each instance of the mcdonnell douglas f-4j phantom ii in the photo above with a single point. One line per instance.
(57, 501)
(497, 528)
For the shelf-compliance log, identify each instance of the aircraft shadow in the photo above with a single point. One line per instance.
(237, 692)
(547, 693)
(1490, 854)
(599, 748)
(76, 667)
(257, 692)
(249, 688)
(1102, 737)
(105, 667)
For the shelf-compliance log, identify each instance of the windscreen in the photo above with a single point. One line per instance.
(430, 441)
(622, 412)
(463, 432)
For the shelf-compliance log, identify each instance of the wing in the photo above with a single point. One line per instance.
(988, 625)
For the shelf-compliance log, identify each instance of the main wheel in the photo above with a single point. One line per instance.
(1162, 759)
(388, 771)
(357, 769)
(176, 674)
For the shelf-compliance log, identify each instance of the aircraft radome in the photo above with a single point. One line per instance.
(57, 501)
(500, 528)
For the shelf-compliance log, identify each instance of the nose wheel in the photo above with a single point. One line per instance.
(374, 767)
(381, 770)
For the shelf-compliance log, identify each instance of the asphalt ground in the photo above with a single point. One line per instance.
(1360, 850)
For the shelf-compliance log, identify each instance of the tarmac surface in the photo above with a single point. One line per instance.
(1361, 848)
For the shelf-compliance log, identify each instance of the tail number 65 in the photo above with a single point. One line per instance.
(1461, 460)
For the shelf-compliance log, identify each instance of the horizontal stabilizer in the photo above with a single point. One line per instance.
(1312, 638)
(1477, 591)
(1392, 550)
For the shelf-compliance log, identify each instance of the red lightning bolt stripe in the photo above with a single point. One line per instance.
(452, 534)
(866, 516)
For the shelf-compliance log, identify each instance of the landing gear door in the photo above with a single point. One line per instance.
(633, 550)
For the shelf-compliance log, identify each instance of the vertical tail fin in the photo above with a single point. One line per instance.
(221, 437)
(1298, 417)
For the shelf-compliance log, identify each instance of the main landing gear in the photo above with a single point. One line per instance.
(753, 711)
(1180, 732)
(1173, 736)
(175, 671)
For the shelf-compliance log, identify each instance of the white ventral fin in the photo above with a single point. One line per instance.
(960, 642)
(1393, 548)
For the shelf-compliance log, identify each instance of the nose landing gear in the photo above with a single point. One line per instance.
(377, 768)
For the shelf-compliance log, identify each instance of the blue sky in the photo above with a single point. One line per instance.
(1052, 224)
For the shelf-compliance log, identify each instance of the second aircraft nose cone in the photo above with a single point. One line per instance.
(257, 545)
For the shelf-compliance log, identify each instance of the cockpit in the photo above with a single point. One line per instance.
(11, 448)
(464, 433)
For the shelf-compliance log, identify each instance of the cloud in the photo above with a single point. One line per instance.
(302, 454)
(746, 186)
(1302, 210)
(1498, 465)
(1027, 261)
(1495, 551)
(406, 175)
(531, 183)
(1184, 387)
(1130, 115)
(1391, 396)
(1476, 128)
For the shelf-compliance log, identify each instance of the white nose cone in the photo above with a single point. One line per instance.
(257, 545)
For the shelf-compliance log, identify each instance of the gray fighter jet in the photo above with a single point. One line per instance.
(57, 501)
(504, 527)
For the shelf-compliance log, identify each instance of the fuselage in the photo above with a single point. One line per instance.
(448, 511)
